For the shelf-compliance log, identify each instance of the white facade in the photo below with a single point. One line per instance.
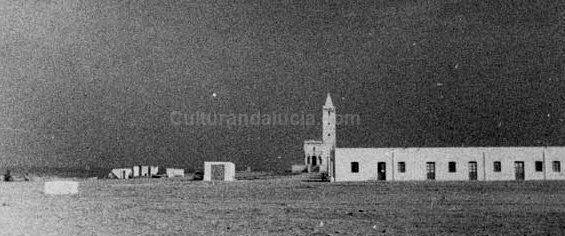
(449, 163)
(222, 171)
(144, 171)
(537, 163)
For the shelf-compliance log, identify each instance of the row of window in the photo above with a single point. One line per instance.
(452, 166)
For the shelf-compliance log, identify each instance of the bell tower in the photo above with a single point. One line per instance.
(328, 137)
(328, 128)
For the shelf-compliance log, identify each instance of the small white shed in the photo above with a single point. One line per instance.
(219, 171)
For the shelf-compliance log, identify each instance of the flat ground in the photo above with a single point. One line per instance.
(284, 206)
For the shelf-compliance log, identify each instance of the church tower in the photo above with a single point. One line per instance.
(328, 136)
(328, 128)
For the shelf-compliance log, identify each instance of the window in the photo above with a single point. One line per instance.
(539, 166)
(556, 166)
(452, 166)
(497, 166)
(308, 160)
(430, 170)
(354, 167)
(320, 158)
(402, 167)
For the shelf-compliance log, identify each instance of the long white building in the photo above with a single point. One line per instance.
(447, 163)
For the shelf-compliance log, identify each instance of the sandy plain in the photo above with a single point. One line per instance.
(284, 205)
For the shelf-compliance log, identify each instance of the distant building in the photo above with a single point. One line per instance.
(172, 172)
(121, 173)
(448, 163)
(219, 171)
(135, 171)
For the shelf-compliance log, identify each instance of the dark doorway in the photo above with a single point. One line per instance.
(217, 172)
(381, 168)
(519, 170)
(314, 160)
(431, 170)
(472, 170)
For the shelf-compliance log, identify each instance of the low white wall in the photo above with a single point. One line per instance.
(172, 172)
(60, 187)
(415, 162)
(229, 168)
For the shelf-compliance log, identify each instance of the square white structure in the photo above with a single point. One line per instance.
(219, 171)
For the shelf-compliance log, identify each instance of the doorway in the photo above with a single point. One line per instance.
(218, 172)
(519, 170)
(381, 168)
(430, 170)
(314, 160)
(472, 170)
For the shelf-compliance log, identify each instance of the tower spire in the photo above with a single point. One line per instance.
(328, 102)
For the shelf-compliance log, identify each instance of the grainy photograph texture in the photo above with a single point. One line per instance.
(329, 117)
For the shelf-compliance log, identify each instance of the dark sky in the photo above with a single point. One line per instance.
(95, 82)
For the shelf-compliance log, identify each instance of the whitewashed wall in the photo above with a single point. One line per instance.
(229, 169)
(416, 158)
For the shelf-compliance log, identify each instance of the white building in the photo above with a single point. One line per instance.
(222, 171)
(173, 172)
(135, 171)
(121, 173)
(145, 171)
(448, 163)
